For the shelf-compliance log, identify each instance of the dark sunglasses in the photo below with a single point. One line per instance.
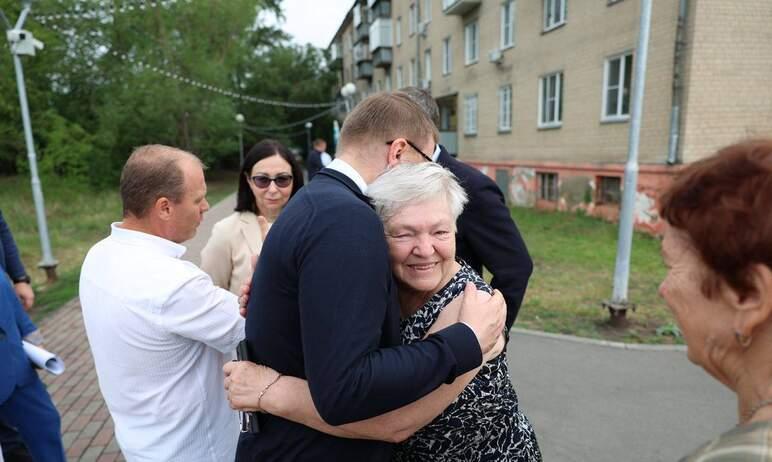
(414, 147)
(264, 181)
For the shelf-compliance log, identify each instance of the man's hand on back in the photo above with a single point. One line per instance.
(485, 315)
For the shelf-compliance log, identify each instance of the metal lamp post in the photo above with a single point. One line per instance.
(347, 92)
(21, 43)
(308, 138)
(240, 120)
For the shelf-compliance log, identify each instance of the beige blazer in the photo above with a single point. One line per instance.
(227, 255)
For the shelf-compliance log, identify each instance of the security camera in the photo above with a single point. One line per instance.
(23, 42)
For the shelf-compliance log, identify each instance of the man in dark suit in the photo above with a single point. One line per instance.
(317, 158)
(24, 401)
(323, 302)
(487, 236)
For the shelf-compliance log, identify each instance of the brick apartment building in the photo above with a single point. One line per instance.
(536, 93)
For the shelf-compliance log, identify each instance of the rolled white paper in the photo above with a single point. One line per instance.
(44, 359)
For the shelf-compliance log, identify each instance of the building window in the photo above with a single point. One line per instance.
(554, 13)
(551, 100)
(413, 73)
(505, 108)
(412, 19)
(400, 78)
(471, 42)
(427, 10)
(447, 62)
(548, 186)
(398, 32)
(428, 65)
(470, 115)
(617, 75)
(507, 24)
(609, 190)
(378, 86)
(387, 81)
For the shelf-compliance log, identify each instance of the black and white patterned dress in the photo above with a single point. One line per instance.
(484, 422)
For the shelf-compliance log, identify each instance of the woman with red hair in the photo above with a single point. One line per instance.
(718, 249)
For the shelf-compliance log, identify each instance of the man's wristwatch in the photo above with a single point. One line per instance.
(21, 279)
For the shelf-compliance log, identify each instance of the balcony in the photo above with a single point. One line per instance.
(459, 7)
(362, 31)
(336, 55)
(363, 70)
(379, 8)
(361, 53)
(383, 57)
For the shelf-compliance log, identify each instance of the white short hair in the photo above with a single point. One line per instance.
(410, 184)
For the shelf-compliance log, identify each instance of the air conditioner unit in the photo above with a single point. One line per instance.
(496, 56)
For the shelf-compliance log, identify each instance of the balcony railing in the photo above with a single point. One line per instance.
(361, 53)
(383, 57)
(363, 70)
(459, 7)
(380, 34)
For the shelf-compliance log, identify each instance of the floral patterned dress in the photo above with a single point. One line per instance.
(484, 422)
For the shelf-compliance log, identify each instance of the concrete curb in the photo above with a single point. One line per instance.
(605, 343)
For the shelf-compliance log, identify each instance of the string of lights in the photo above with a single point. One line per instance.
(99, 13)
(202, 85)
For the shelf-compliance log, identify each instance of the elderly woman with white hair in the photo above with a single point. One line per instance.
(477, 416)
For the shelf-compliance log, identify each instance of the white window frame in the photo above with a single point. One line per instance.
(554, 14)
(471, 42)
(428, 64)
(555, 101)
(412, 19)
(471, 105)
(447, 56)
(427, 10)
(507, 39)
(413, 73)
(400, 78)
(505, 108)
(618, 116)
(398, 32)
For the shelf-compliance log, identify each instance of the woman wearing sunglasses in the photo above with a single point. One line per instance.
(269, 177)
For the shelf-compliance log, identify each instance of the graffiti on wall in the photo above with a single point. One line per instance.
(522, 187)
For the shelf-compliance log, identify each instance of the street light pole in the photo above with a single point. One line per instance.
(308, 138)
(240, 120)
(22, 42)
(619, 303)
(347, 92)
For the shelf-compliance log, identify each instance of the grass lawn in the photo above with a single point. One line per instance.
(574, 258)
(77, 218)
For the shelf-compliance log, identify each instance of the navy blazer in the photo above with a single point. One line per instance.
(313, 163)
(15, 369)
(323, 307)
(487, 236)
(9, 254)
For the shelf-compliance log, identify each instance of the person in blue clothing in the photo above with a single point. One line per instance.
(24, 401)
(323, 303)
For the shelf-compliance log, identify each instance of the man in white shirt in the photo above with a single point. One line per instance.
(158, 328)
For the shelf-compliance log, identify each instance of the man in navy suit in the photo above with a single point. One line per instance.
(24, 401)
(323, 305)
(487, 236)
(317, 158)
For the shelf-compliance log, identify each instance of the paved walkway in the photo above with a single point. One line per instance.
(86, 424)
(587, 402)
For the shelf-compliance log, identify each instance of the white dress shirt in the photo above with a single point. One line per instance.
(326, 159)
(159, 331)
(346, 169)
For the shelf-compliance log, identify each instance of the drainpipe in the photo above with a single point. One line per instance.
(678, 84)
(417, 44)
